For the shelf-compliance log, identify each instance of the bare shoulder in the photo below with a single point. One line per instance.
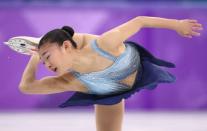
(89, 37)
(101, 42)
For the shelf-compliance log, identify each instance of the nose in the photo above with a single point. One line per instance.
(48, 65)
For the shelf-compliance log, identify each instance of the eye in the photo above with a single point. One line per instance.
(48, 57)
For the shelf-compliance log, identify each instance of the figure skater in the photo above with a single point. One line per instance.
(103, 70)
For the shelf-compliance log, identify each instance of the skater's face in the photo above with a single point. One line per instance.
(57, 58)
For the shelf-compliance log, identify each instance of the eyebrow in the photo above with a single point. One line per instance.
(43, 54)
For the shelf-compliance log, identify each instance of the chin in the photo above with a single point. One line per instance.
(60, 72)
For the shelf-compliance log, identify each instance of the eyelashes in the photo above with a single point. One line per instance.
(46, 58)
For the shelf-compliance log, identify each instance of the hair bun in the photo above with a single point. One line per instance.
(69, 30)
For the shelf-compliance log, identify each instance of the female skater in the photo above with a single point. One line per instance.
(102, 70)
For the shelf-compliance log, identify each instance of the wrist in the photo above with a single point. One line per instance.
(176, 25)
(35, 59)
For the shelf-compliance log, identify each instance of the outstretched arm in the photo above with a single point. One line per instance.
(185, 27)
(114, 38)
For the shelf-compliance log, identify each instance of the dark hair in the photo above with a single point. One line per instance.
(58, 36)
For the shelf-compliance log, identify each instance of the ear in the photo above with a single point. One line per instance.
(67, 46)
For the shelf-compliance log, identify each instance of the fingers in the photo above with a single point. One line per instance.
(195, 22)
(34, 49)
(33, 52)
(197, 25)
(192, 20)
(192, 28)
(197, 28)
(195, 33)
(188, 36)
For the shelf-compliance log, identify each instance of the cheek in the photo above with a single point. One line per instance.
(56, 60)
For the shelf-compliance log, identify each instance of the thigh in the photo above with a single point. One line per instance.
(109, 117)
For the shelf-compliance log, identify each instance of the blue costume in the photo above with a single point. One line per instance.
(105, 87)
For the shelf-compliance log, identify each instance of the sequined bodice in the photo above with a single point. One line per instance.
(108, 80)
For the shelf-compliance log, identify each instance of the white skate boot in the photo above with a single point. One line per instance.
(23, 44)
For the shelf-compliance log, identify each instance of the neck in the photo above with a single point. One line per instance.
(78, 61)
(79, 39)
(78, 54)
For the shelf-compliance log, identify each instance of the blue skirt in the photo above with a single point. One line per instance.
(149, 75)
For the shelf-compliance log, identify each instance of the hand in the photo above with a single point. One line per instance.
(34, 55)
(188, 28)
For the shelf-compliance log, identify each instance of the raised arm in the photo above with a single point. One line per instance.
(114, 38)
(184, 27)
(47, 85)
